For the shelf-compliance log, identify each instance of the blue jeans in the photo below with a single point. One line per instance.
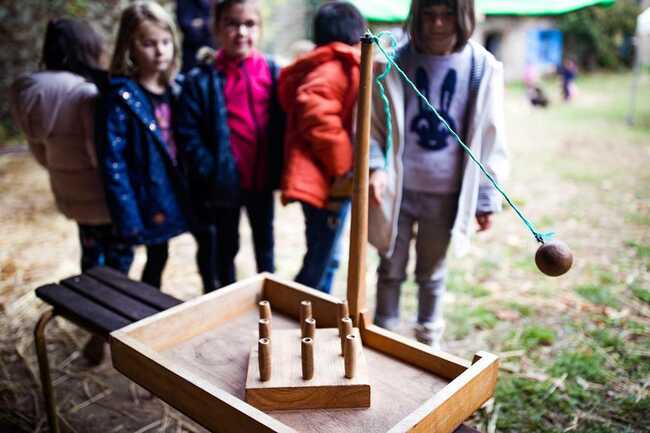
(323, 229)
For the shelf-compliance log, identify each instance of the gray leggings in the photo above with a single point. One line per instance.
(429, 218)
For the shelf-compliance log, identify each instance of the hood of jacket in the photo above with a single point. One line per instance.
(294, 74)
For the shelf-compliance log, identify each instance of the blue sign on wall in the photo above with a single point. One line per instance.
(544, 47)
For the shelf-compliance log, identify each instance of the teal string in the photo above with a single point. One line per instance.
(539, 236)
(384, 98)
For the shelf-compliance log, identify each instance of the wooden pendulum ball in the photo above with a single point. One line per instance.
(554, 258)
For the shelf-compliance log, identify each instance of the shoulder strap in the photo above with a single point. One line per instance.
(477, 70)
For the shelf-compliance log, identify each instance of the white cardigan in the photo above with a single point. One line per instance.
(485, 137)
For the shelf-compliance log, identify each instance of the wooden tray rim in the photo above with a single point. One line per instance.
(471, 384)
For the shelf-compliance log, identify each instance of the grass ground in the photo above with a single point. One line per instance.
(575, 350)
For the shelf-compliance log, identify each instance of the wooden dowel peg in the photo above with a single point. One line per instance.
(264, 357)
(265, 310)
(342, 311)
(350, 355)
(264, 326)
(309, 328)
(307, 353)
(346, 329)
(305, 313)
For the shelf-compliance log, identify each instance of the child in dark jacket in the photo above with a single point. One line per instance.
(229, 133)
(319, 93)
(136, 148)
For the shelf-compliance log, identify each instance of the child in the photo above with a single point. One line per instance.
(568, 71)
(55, 109)
(229, 133)
(319, 92)
(443, 190)
(138, 154)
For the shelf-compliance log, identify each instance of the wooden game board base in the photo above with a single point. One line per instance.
(329, 388)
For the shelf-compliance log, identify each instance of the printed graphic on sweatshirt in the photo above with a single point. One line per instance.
(431, 132)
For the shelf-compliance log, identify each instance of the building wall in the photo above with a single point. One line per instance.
(514, 36)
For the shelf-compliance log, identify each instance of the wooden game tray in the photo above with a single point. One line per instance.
(195, 357)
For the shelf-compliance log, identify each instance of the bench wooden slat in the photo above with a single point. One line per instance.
(81, 310)
(108, 297)
(143, 292)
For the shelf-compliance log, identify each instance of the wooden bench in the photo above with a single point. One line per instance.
(101, 301)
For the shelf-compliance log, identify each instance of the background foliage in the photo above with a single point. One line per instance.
(601, 37)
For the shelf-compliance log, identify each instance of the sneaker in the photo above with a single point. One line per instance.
(93, 351)
(428, 334)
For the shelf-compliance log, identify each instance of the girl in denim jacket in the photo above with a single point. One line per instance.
(137, 149)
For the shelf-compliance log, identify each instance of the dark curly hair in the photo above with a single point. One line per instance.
(338, 21)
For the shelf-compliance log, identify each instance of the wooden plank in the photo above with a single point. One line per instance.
(448, 409)
(109, 298)
(213, 408)
(81, 310)
(286, 389)
(285, 297)
(135, 289)
(177, 324)
(437, 362)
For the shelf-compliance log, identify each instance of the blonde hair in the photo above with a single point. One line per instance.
(134, 15)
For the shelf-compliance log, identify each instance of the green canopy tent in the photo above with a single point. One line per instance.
(392, 11)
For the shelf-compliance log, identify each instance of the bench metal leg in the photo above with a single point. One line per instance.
(44, 369)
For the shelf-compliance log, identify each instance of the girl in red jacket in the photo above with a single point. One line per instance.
(318, 93)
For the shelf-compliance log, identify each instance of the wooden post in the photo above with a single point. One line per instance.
(359, 221)
(265, 310)
(350, 355)
(309, 328)
(264, 327)
(346, 329)
(342, 311)
(305, 313)
(307, 353)
(264, 357)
